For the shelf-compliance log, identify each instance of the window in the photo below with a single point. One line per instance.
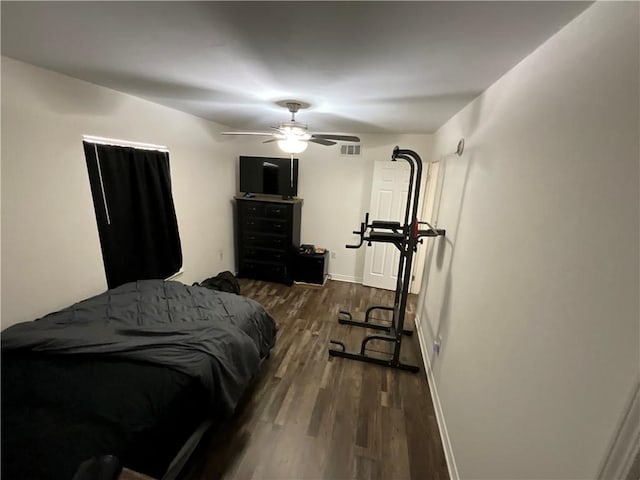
(137, 224)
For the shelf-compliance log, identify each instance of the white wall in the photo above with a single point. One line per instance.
(49, 237)
(50, 247)
(336, 192)
(535, 289)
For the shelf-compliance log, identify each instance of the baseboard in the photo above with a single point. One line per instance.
(345, 278)
(310, 284)
(442, 425)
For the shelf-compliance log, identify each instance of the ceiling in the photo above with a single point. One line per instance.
(364, 67)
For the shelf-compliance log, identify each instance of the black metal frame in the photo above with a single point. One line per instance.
(406, 238)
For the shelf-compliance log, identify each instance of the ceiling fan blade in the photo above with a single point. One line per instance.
(264, 134)
(341, 138)
(270, 140)
(321, 141)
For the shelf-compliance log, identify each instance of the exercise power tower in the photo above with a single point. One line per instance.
(405, 238)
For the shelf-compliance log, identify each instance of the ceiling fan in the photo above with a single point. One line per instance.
(294, 137)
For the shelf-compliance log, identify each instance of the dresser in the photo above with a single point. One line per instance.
(267, 237)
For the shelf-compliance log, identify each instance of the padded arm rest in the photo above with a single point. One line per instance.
(385, 237)
(385, 225)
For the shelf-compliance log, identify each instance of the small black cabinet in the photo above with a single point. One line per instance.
(267, 237)
(311, 268)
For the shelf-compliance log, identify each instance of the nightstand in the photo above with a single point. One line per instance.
(311, 268)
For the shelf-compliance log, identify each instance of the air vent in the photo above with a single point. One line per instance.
(350, 149)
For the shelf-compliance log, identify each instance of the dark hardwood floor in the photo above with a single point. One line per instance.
(311, 416)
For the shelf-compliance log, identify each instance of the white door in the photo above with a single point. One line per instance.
(388, 202)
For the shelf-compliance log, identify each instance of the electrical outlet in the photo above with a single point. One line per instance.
(333, 255)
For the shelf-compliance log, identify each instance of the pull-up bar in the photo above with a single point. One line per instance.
(405, 237)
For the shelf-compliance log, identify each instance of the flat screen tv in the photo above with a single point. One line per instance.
(269, 176)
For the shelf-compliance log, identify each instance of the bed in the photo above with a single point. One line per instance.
(136, 372)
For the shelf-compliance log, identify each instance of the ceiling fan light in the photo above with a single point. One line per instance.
(292, 145)
(293, 129)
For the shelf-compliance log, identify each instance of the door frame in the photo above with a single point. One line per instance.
(426, 207)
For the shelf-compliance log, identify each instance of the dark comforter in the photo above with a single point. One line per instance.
(218, 337)
(60, 410)
(92, 379)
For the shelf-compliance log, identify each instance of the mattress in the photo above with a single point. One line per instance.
(65, 401)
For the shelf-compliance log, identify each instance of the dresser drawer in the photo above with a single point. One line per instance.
(263, 254)
(254, 239)
(275, 210)
(251, 209)
(263, 270)
(265, 225)
(268, 210)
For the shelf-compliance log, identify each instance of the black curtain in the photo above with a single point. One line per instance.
(137, 223)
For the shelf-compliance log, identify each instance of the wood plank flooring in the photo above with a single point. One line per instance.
(311, 416)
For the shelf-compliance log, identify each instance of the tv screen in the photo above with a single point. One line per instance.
(269, 176)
